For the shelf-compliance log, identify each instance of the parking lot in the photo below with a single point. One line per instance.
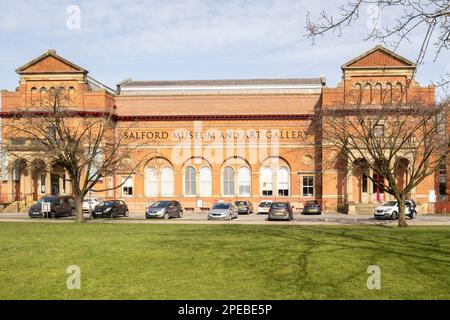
(200, 218)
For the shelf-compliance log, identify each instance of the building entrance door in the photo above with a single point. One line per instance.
(17, 190)
(54, 183)
(35, 188)
(378, 189)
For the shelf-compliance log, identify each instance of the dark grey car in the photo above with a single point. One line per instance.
(164, 209)
(281, 211)
(62, 206)
(244, 206)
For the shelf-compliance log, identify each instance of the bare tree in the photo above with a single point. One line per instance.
(387, 138)
(85, 144)
(430, 16)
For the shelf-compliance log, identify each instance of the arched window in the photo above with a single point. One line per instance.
(190, 184)
(151, 182)
(283, 182)
(205, 182)
(244, 181)
(43, 90)
(388, 93)
(378, 93)
(167, 182)
(367, 94)
(357, 97)
(398, 92)
(228, 181)
(266, 182)
(33, 92)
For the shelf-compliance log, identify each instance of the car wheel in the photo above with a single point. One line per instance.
(166, 216)
(229, 216)
(126, 213)
(72, 212)
(413, 215)
(180, 215)
(394, 216)
(53, 214)
(112, 215)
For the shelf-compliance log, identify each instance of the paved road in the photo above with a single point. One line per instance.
(200, 218)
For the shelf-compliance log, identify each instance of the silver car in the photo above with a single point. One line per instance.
(224, 210)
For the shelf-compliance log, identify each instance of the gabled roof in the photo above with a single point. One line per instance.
(50, 63)
(379, 57)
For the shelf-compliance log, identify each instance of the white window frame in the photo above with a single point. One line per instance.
(230, 183)
(149, 184)
(308, 186)
(125, 185)
(244, 181)
(262, 182)
(167, 182)
(285, 185)
(205, 187)
(194, 194)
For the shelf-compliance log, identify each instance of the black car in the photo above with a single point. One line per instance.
(164, 209)
(110, 209)
(244, 206)
(312, 207)
(62, 206)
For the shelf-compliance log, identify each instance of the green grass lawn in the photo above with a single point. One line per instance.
(166, 261)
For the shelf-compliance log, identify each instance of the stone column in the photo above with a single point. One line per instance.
(370, 185)
(350, 200)
(48, 181)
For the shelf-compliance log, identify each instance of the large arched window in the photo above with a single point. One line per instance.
(151, 182)
(167, 182)
(283, 182)
(190, 185)
(205, 182)
(228, 181)
(266, 182)
(244, 182)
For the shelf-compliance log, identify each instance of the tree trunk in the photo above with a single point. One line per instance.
(79, 208)
(401, 213)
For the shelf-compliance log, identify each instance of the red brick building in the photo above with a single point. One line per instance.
(206, 141)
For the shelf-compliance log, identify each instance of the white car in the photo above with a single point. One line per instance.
(264, 206)
(389, 210)
(90, 204)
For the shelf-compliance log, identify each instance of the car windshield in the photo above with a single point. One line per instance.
(265, 204)
(222, 206)
(279, 205)
(106, 203)
(240, 203)
(46, 199)
(312, 203)
(159, 204)
(390, 204)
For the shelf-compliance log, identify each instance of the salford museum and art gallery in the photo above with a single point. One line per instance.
(204, 141)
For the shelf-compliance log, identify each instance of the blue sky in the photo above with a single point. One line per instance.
(188, 39)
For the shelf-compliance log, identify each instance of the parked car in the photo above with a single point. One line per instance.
(90, 204)
(164, 209)
(223, 210)
(281, 211)
(264, 206)
(389, 210)
(244, 206)
(110, 209)
(62, 206)
(312, 207)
